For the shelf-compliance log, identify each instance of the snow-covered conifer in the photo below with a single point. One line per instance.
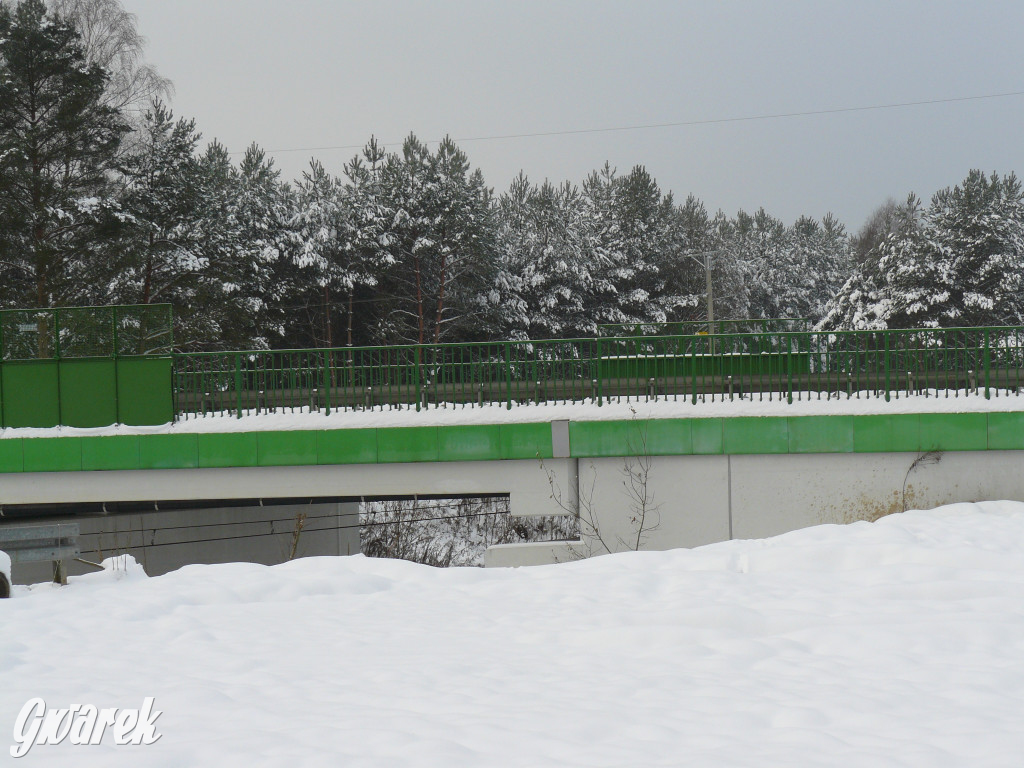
(440, 238)
(162, 257)
(969, 267)
(541, 261)
(58, 141)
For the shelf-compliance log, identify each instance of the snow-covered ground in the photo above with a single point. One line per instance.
(897, 643)
(451, 414)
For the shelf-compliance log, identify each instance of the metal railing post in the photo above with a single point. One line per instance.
(327, 382)
(693, 369)
(789, 370)
(508, 374)
(238, 383)
(987, 361)
(885, 335)
(417, 382)
(600, 377)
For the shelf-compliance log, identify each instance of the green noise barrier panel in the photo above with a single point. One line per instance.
(86, 392)
(31, 393)
(86, 366)
(144, 394)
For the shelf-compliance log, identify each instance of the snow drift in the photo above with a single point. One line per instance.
(896, 643)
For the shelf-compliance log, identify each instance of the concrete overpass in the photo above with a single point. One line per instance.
(706, 479)
(686, 479)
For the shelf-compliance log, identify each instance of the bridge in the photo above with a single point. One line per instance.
(738, 435)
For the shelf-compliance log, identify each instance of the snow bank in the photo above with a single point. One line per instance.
(378, 417)
(897, 643)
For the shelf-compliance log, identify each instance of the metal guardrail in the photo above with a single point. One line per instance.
(38, 543)
(788, 365)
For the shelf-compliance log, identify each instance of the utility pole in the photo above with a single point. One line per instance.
(706, 264)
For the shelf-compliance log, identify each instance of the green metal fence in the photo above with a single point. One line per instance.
(86, 366)
(95, 366)
(771, 365)
(75, 332)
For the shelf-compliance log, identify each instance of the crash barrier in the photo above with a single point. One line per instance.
(38, 543)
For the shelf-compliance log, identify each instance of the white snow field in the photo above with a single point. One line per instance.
(896, 643)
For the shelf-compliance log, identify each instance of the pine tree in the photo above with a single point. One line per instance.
(464, 257)
(57, 147)
(543, 280)
(969, 267)
(519, 258)
(690, 241)
(836, 261)
(367, 236)
(210, 311)
(406, 183)
(255, 274)
(960, 262)
(605, 249)
(760, 242)
(440, 239)
(645, 219)
(319, 220)
(867, 300)
(342, 229)
(730, 271)
(626, 220)
(813, 267)
(162, 196)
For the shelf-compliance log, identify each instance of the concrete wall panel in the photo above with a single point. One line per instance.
(164, 541)
(776, 494)
(688, 501)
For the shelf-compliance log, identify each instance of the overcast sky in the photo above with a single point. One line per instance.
(316, 73)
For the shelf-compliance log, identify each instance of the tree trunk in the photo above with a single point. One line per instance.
(440, 299)
(419, 298)
(327, 317)
(147, 286)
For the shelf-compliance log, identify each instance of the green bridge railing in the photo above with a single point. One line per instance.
(95, 366)
(770, 365)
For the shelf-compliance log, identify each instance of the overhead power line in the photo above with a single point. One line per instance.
(304, 530)
(679, 124)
